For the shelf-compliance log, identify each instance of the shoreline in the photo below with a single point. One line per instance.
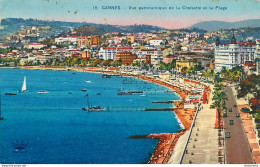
(165, 146)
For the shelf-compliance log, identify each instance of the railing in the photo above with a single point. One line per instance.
(192, 125)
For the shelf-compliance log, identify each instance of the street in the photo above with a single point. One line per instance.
(237, 146)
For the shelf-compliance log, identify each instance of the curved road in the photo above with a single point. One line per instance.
(237, 147)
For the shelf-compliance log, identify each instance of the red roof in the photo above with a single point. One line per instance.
(250, 64)
(37, 44)
(169, 56)
(156, 39)
(118, 48)
(246, 43)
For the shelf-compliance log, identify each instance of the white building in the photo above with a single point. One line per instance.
(69, 39)
(36, 45)
(156, 41)
(110, 52)
(233, 54)
(257, 57)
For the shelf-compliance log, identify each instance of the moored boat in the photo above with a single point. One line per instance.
(124, 93)
(10, 94)
(43, 91)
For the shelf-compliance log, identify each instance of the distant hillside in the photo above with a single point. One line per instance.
(217, 25)
(12, 25)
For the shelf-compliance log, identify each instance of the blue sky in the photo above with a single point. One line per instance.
(82, 10)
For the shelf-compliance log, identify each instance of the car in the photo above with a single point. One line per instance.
(235, 105)
(230, 110)
(231, 122)
(227, 135)
(245, 109)
(237, 115)
(225, 114)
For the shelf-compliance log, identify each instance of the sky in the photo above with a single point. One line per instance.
(173, 13)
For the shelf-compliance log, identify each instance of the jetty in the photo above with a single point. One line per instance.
(159, 109)
(169, 101)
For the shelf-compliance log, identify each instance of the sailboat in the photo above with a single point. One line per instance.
(24, 85)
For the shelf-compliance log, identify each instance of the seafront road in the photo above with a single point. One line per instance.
(237, 147)
(203, 144)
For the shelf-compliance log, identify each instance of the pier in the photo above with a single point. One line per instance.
(169, 101)
(159, 109)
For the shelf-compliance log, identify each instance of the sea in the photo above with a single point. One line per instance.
(54, 130)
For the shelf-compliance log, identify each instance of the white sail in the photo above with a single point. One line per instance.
(24, 85)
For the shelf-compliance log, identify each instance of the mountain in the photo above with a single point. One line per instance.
(13, 25)
(217, 25)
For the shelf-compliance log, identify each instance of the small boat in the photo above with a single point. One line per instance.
(137, 91)
(43, 91)
(92, 108)
(98, 93)
(143, 95)
(19, 146)
(95, 108)
(124, 93)
(84, 90)
(88, 81)
(70, 92)
(10, 94)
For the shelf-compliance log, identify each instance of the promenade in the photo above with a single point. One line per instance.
(203, 146)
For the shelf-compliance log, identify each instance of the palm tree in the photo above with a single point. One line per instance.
(219, 98)
(219, 86)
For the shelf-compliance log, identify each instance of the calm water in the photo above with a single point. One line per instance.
(59, 132)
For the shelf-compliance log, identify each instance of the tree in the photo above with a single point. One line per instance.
(96, 62)
(184, 70)
(248, 85)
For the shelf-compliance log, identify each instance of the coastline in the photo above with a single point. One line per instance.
(166, 145)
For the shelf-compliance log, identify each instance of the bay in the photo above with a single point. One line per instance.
(59, 132)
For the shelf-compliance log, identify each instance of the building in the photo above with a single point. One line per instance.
(167, 51)
(185, 63)
(68, 39)
(257, 57)
(86, 55)
(156, 41)
(233, 54)
(168, 59)
(36, 45)
(126, 57)
(109, 53)
(88, 41)
(249, 68)
(130, 39)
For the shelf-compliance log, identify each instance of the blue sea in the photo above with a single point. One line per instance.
(57, 131)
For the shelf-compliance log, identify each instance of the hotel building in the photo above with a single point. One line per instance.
(233, 54)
